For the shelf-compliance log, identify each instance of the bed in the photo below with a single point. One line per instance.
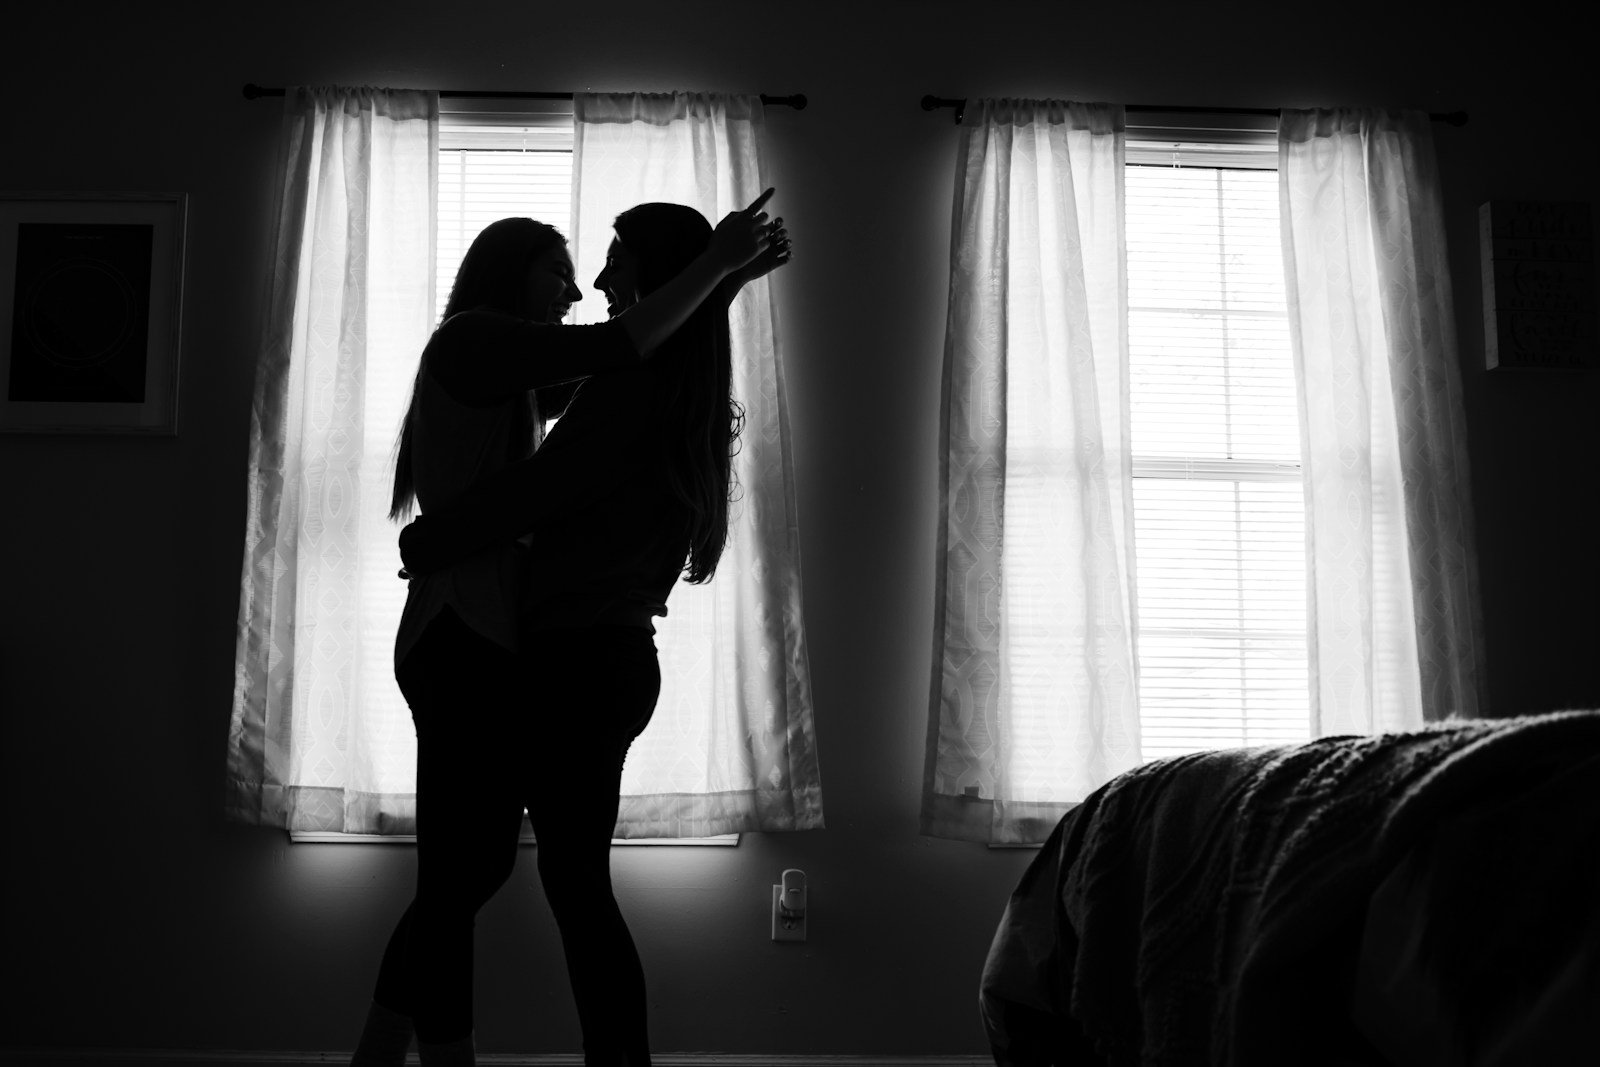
(1428, 897)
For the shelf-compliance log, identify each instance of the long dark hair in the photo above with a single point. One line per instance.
(493, 274)
(702, 420)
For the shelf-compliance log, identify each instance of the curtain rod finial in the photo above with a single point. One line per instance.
(934, 103)
(797, 101)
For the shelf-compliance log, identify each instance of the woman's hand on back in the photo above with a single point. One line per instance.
(741, 236)
(423, 549)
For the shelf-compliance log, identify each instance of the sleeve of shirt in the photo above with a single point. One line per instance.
(553, 399)
(484, 357)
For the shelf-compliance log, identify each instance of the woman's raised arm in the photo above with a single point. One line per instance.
(484, 356)
(739, 238)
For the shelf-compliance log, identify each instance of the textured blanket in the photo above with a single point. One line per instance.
(1210, 908)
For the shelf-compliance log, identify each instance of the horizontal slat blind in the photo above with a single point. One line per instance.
(480, 184)
(1218, 511)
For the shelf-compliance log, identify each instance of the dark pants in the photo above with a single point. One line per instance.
(497, 733)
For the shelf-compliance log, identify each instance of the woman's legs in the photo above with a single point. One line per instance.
(461, 688)
(596, 689)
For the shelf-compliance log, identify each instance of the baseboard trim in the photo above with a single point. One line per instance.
(109, 1057)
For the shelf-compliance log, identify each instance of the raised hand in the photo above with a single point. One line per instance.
(743, 235)
(779, 251)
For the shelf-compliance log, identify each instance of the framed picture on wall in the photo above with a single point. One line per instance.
(91, 304)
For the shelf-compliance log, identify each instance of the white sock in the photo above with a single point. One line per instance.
(457, 1053)
(384, 1040)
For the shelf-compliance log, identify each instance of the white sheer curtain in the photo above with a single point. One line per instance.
(351, 300)
(1035, 605)
(1393, 608)
(732, 746)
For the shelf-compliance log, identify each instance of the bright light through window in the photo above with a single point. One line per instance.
(488, 173)
(1218, 510)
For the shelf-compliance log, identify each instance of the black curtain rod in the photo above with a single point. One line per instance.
(933, 103)
(795, 100)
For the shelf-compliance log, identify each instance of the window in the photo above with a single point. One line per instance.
(1218, 508)
(493, 164)
(498, 164)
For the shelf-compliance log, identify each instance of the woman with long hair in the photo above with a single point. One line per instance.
(490, 739)
(629, 491)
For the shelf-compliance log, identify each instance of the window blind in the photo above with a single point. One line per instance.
(1218, 508)
(490, 173)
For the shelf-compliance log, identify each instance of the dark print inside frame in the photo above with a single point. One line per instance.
(91, 291)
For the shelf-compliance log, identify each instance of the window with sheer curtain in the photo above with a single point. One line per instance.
(1203, 482)
(1219, 511)
(382, 191)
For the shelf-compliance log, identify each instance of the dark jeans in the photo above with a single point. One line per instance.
(497, 733)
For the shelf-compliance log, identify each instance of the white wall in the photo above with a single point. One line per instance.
(134, 916)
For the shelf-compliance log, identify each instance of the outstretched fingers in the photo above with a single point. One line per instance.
(755, 205)
(748, 236)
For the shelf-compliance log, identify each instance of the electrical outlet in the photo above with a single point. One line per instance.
(786, 925)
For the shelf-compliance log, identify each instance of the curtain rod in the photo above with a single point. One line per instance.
(795, 100)
(932, 103)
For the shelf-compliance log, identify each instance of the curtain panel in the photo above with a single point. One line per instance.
(351, 290)
(1035, 695)
(732, 746)
(1396, 628)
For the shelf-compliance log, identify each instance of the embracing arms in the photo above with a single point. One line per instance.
(577, 464)
(509, 503)
(498, 355)
(553, 399)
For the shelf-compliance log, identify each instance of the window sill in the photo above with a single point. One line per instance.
(317, 837)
